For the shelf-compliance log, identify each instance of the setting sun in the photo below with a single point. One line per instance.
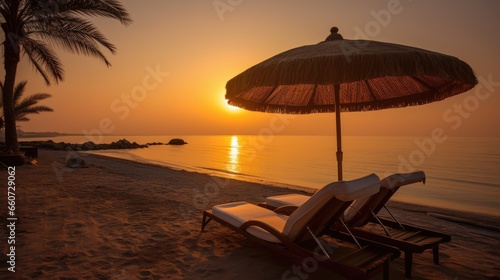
(231, 108)
(228, 107)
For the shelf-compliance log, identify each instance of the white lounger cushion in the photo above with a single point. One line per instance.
(237, 213)
(344, 191)
(390, 182)
(402, 179)
(299, 199)
(393, 181)
(287, 199)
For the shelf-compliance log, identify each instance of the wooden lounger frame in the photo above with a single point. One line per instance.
(409, 239)
(364, 263)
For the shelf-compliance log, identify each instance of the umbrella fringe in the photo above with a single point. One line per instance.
(398, 102)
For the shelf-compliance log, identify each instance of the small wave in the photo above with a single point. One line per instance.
(251, 178)
(467, 182)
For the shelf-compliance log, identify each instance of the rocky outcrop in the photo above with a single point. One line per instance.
(155, 144)
(91, 146)
(176, 141)
(87, 146)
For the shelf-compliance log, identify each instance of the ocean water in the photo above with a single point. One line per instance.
(462, 173)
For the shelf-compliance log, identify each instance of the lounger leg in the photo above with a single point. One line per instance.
(380, 222)
(435, 253)
(386, 270)
(394, 217)
(350, 233)
(408, 263)
(205, 221)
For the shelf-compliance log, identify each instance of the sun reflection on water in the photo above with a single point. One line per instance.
(233, 155)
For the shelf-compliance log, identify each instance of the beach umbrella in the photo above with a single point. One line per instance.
(348, 75)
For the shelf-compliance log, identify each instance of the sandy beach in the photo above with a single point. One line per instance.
(117, 219)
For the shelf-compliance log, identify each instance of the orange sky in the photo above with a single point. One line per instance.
(173, 62)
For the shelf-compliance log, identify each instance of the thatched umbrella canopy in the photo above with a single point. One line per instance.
(348, 75)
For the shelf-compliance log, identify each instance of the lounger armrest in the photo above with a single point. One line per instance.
(266, 227)
(286, 210)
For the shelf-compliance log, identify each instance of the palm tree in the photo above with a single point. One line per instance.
(31, 26)
(26, 106)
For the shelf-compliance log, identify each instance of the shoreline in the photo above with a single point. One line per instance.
(446, 188)
(477, 219)
(293, 188)
(120, 219)
(207, 171)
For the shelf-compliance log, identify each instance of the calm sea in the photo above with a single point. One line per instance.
(462, 173)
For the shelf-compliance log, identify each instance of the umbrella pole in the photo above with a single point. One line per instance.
(339, 134)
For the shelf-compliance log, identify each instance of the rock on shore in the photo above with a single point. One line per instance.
(90, 146)
(87, 146)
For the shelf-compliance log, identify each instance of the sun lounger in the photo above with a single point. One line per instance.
(297, 235)
(409, 239)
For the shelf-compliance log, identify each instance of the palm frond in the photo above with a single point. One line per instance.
(101, 8)
(18, 91)
(36, 110)
(105, 8)
(23, 119)
(43, 59)
(29, 102)
(73, 34)
(28, 105)
(21, 115)
(77, 28)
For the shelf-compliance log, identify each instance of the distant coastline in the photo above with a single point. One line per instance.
(47, 134)
(26, 134)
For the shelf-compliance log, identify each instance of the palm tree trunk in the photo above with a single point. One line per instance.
(13, 33)
(11, 60)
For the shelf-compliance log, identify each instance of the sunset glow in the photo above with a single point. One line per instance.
(173, 61)
(122, 157)
(232, 108)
